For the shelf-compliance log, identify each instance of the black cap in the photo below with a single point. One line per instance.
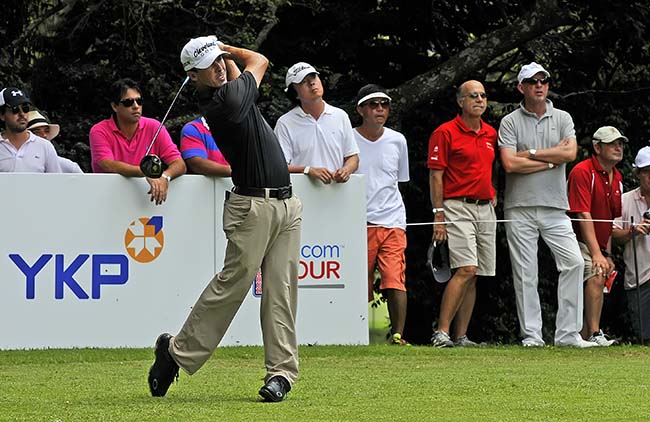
(13, 96)
(438, 261)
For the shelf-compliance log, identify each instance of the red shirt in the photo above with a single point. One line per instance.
(466, 157)
(590, 191)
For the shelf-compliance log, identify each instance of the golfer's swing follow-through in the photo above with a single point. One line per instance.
(261, 221)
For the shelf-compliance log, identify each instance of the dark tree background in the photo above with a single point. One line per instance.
(68, 52)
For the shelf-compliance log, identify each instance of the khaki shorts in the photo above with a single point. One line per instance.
(471, 243)
(589, 265)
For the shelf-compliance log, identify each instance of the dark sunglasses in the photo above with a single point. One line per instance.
(129, 101)
(375, 103)
(21, 108)
(475, 95)
(533, 81)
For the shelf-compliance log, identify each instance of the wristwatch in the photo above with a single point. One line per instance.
(437, 210)
(532, 153)
(306, 170)
(551, 165)
(167, 177)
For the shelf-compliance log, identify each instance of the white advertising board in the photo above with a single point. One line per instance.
(88, 261)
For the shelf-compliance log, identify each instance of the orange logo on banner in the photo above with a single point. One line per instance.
(144, 239)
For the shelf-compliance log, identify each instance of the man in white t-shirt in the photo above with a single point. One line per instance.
(316, 138)
(384, 162)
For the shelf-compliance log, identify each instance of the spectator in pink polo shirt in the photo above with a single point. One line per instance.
(118, 143)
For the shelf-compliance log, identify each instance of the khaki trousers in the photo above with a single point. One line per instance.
(262, 233)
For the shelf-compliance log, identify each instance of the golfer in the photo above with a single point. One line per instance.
(261, 220)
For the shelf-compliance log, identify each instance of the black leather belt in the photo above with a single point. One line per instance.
(472, 200)
(279, 193)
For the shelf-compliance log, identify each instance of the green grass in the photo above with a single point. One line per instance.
(377, 382)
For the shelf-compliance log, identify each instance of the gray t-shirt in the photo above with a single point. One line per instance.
(522, 130)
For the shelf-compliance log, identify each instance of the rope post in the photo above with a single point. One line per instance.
(636, 276)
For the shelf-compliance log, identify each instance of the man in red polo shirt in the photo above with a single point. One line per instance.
(461, 157)
(595, 189)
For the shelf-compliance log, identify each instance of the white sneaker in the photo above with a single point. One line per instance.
(441, 339)
(463, 341)
(599, 338)
(580, 344)
(532, 342)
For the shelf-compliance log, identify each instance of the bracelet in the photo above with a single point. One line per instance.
(551, 165)
(167, 177)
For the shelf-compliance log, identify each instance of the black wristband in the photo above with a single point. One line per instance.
(605, 253)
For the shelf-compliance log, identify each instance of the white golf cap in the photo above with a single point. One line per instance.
(607, 134)
(297, 73)
(642, 158)
(530, 70)
(200, 52)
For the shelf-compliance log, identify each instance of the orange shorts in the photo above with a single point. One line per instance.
(386, 251)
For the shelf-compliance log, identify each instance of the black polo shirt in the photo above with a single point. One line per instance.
(242, 134)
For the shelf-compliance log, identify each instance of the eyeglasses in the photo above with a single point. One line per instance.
(475, 95)
(533, 81)
(376, 103)
(129, 101)
(21, 108)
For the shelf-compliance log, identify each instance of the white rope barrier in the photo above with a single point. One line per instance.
(433, 223)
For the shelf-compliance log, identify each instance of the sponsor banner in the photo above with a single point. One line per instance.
(88, 261)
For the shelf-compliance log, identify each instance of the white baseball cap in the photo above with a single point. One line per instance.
(297, 73)
(642, 158)
(200, 52)
(530, 70)
(607, 134)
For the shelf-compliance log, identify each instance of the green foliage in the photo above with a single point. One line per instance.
(336, 383)
(68, 53)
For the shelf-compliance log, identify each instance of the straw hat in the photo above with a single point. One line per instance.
(36, 119)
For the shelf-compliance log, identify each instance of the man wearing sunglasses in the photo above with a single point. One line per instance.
(384, 161)
(460, 161)
(316, 138)
(118, 144)
(536, 141)
(21, 150)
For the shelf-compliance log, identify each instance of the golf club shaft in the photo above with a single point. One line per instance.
(162, 122)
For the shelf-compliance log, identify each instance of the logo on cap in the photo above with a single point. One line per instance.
(17, 93)
(299, 69)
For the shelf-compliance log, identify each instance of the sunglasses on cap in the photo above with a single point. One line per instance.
(475, 95)
(129, 101)
(533, 81)
(21, 108)
(385, 103)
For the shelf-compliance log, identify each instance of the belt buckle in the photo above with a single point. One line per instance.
(284, 192)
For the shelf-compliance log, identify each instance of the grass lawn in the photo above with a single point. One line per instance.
(377, 382)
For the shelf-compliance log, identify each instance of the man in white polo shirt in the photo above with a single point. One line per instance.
(316, 138)
(21, 150)
(384, 162)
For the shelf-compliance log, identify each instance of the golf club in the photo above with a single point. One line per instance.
(151, 164)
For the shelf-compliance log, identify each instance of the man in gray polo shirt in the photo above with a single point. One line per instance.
(536, 141)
